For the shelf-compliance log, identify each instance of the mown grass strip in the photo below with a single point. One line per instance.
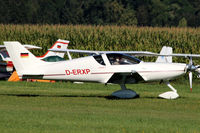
(67, 107)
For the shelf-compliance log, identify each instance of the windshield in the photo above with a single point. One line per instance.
(53, 59)
(122, 59)
(99, 59)
(4, 54)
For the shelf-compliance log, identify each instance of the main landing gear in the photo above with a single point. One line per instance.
(125, 93)
(170, 94)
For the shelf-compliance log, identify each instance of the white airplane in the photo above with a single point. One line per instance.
(103, 68)
(6, 65)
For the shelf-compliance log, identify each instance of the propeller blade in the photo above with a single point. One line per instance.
(190, 62)
(198, 70)
(190, 80)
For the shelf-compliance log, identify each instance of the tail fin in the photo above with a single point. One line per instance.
(165, 59)
(24, 61)
(59, 44)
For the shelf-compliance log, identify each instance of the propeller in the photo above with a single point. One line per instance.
(192, 68)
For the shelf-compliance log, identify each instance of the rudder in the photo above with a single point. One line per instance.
(165, 51)
(59, 44)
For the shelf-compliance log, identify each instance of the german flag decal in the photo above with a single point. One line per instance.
(58, 46)
(24, 55)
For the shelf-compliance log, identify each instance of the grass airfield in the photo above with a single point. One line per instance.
(65, 107)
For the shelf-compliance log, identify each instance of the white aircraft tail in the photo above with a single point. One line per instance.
(24, 61)
(165, 59)
(59, 44)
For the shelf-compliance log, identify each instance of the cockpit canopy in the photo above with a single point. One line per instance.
(122, 59)
(117, 59)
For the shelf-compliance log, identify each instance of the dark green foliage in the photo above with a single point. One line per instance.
(182, 23)
(101, 12)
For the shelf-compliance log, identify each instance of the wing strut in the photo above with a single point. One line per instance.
(69, 56)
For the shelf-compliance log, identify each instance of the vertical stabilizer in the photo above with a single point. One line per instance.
(165, 59)
(59, 44)
(24, 61)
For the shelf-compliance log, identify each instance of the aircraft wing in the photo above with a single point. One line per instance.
(136, 53)
(181, 55)
(2, 47)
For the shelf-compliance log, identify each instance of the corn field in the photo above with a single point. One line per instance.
(183, 40)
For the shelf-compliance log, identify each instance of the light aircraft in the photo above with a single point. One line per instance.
(6, 65)
(103, 67)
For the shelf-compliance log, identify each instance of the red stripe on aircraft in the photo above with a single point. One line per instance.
(62, 42)
(103, 73)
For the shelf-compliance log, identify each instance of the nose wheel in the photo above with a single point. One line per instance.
(125, 93)
(170, 94)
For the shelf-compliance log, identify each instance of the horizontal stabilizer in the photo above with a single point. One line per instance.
(28, 46)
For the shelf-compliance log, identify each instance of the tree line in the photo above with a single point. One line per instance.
(102, 12)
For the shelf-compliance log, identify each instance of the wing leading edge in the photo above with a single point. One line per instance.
(136, 53)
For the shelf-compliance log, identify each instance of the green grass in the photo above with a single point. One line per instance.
(66, 107)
